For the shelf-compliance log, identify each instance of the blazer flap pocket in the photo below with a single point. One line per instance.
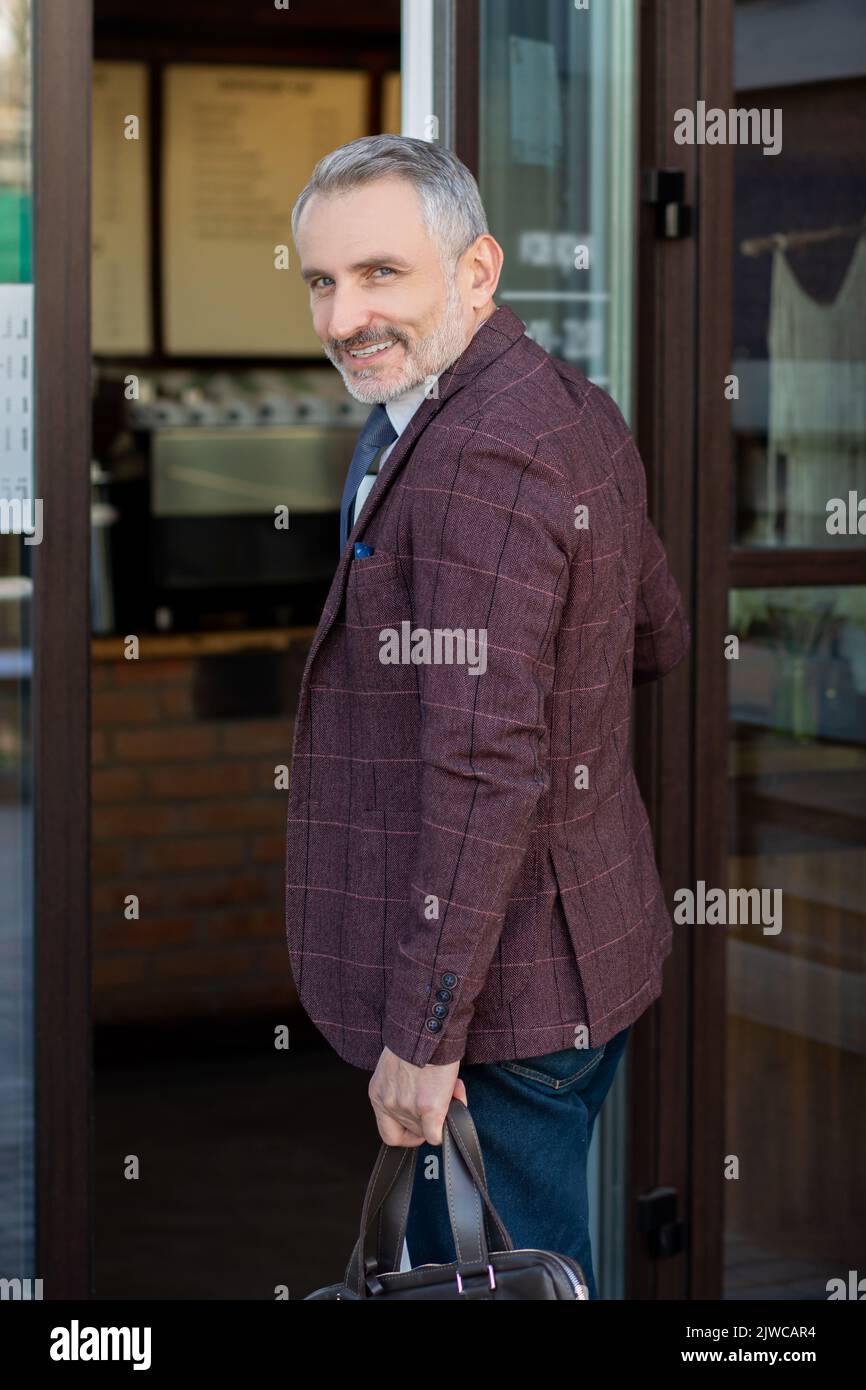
(365, 570)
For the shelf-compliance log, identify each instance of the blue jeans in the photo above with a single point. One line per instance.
(534, 1119)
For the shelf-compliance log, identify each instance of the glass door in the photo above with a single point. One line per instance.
(18, 535)
(557, 173)
(44, 612)
(795, 1210)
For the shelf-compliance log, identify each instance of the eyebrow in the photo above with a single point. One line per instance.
(369, 263)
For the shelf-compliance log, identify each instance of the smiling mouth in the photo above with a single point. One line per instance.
(371, 352)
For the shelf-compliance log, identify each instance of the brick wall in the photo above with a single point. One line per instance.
(187, 817)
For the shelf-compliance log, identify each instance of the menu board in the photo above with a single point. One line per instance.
(240, 144)
(120, 141)
(392, 118)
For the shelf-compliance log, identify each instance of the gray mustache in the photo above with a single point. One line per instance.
(368, 342)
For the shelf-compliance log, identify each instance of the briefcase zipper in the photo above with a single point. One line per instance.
(566, 1264)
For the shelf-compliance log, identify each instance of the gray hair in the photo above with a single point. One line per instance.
(451, 205)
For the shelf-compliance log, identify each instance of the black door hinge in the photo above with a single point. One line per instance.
(657, 1218)
(665, 190)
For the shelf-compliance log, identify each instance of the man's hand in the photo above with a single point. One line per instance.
(411, 1102)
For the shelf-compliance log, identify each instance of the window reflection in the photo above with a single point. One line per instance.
(796, 1024)
(799, 415)
(796, 1027)
(556, 173)
(801, 669)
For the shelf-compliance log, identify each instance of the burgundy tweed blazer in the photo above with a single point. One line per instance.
(469, 865)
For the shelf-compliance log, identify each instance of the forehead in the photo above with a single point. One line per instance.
(362, 220)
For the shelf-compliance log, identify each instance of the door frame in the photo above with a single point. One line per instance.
(62, 37)
(684, 432)
(709, 765)
(682, 428)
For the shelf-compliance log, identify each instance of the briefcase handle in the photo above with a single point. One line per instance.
(475, 1223)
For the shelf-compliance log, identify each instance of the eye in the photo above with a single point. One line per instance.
(318, 280)
(387, 268)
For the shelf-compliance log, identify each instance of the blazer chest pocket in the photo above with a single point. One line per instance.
(378, 602)
(377, 594)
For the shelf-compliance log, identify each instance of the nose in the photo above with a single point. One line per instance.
(348, 316)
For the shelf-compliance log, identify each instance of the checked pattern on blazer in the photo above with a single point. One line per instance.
(469, 865)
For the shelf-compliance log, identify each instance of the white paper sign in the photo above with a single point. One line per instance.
(536, 119)
(16, 391)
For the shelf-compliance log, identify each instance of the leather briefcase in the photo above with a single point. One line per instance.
(487, 1265)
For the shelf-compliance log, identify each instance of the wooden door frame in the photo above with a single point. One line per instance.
(684, 433)
(709, 765)
(664, 430)
(62, 41)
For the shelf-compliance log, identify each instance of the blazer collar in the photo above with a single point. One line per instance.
(493, 338)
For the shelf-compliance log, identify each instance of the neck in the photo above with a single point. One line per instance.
(487, 312)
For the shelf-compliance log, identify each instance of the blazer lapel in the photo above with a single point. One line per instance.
(493, 338)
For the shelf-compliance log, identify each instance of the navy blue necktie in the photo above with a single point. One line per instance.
(376, 434)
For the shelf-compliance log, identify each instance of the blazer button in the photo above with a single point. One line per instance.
(439, 1011)
(433, 1025)
(449, 980)
(444, 996)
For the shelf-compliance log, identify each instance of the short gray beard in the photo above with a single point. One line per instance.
(429, 357)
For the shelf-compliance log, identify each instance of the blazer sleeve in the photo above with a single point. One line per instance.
(491, 554)
(662, 634)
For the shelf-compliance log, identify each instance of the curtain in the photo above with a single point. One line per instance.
(817, 417)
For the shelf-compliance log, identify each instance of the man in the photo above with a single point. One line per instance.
(470, 881)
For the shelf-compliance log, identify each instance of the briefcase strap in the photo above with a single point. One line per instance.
(464, 1136)
(475, 1224)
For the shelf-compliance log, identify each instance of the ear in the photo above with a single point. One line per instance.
(487, 261)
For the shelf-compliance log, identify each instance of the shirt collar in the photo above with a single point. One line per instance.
(401, 409)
